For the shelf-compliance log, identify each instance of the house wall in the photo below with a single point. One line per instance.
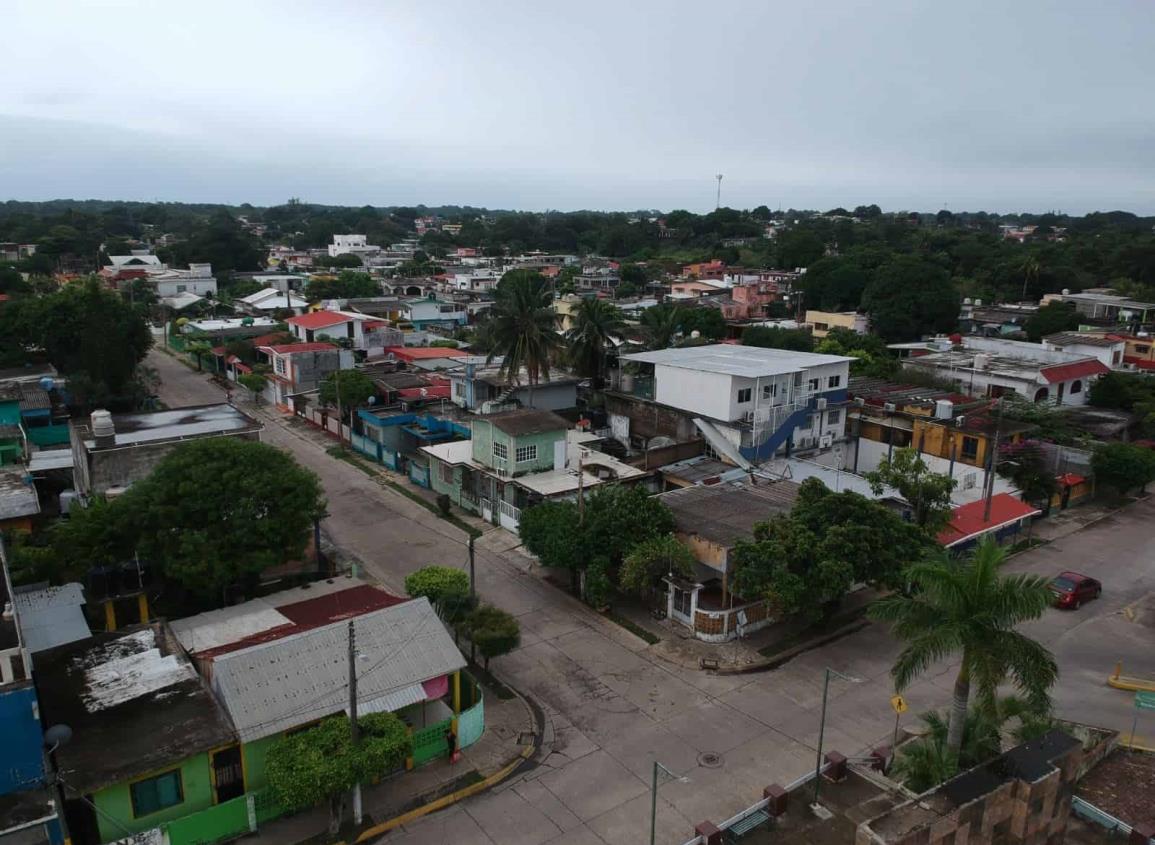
(21, 738)
(548, 397)
(10, 412)
(98, 470)
(709, 394)
(115, 802)
(485, 434)
(199, 286)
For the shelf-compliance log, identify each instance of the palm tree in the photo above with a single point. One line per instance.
(661, 324)
(596, 322)
(967, 608)
(523, 327)
(926, 762)
(1029, 266)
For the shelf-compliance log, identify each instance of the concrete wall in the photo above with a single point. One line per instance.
(706, 394)
(123, 465)
(115, 802)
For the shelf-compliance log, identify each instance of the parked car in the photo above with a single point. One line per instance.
(1072, 589)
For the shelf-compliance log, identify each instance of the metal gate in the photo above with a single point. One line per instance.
(431, 743)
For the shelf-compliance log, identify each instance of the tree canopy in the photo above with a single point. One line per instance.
(522, 327)
(926, 491)
(1123, 467)
(348, 284)
(650, 561)
(1051, 318)
(353, 387)
(213, 513)
(909, 297)
(772, 337)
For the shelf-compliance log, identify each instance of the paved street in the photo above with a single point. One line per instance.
(614, 706)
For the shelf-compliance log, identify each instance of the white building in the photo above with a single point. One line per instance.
(197, 279)
(1109, 349)
(270, 300)
(985, 366)
(477, 281)
(352, 245)
(749, 402)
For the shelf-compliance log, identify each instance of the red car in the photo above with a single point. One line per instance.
(1072, 589)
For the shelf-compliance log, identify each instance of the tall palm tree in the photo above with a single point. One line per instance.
(1029, 266)
(596, 322)
(523, 327)
(967, 608)
(661, 324)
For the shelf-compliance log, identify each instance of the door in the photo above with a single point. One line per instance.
(80, 816)
(228, 774)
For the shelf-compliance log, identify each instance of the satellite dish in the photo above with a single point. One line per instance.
(47, 383)
(56, 736)
(372, 400)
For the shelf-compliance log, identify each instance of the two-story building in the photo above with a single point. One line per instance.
(431, 311)
(270, 300)
(480, 386)
(346, 328)
(1110, 349)
(516, 459)
(300, 367)
(821, 322)
(353, 245)
(749, 403)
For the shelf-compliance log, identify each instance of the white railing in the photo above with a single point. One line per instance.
(509, 510)
(1093, 814)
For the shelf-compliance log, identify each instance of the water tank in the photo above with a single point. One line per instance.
(102, 428)
(982, 361)
(695, 334)
(943, 409)
(67, 500)
(1066, 291)
(967, 301)
(978, 303)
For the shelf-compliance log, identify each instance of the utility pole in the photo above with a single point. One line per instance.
(337, 390)
(472, 572)
(354, 729)
(718, 200)
(994, 462)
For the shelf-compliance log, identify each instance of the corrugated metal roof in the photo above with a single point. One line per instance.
(51, 616)
(275, 686)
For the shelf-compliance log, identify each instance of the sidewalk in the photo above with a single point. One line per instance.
(1062, 524)
(510, 726)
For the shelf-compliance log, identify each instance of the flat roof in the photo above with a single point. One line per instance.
(176, 423)
(132, 692)
(526, 421)
(726, 513)
(735, 360)
(17, 495)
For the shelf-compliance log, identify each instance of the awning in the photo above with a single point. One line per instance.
(393, 701)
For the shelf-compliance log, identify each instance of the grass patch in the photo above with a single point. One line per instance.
(633, 627)
(812, 632)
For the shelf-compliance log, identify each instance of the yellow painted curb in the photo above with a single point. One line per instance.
(445, 800)
(1120, 681)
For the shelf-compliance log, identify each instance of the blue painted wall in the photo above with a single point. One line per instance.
(21, 740)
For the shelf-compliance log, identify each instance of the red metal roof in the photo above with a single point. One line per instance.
(314, 613)
(967, 521)
(1070, 479)
(433, 391)
(319, 319)
(294, 348)
(1079, 369)
(1141, 363)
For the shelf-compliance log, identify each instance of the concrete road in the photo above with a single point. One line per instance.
(614, 707)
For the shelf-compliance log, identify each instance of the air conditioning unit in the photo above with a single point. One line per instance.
(890, 407)
(826, 441)
(859, 401)
(820, 404)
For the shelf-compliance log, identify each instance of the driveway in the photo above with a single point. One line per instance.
(614, 707)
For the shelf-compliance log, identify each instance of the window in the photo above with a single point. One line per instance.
(500, 450)
(446, 473)
(156, 793)
(1076, 386)
(526, 453)
(834, 381)
(1142, 348)
(970, 447)
(833, 417)
(1116, 357)
(812, 385)
(769, 391)
(279, 366)
(744, 395)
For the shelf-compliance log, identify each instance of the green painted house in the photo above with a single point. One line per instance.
(516, 459)
(150, 745)
(11, 437)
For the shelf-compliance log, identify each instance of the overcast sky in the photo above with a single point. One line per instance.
(608, 104)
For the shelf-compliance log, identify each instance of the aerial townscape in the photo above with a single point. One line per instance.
(806, 508)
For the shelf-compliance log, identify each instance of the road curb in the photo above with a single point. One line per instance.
(789, 654)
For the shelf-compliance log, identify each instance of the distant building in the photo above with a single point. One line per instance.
(481, 388)
(353, 245)
(431, 311)
(271, 300)
(301, 367)
(1109, 349)
(821, 322)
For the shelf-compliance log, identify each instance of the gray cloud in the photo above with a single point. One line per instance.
(599, 104)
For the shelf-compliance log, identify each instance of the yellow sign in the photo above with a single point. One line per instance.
(898, 703)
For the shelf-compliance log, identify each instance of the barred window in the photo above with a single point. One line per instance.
(526, 453)
(500, 450)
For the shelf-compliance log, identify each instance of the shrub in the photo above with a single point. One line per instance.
(492, 631)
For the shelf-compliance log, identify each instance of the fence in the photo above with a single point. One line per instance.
(226, 820)
(431, 743)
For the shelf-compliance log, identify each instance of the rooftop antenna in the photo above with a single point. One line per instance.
(718, 202)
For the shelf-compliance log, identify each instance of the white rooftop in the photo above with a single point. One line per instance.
(178, 422)
(272, 299)
(733, 360)
(237, 323)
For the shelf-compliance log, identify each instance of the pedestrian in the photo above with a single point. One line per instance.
(451, 742)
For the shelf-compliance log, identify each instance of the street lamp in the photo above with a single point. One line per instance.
(822, 725)
(654, 796)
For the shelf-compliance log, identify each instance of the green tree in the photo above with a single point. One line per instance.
(72, 328)
(617, 517)
(772, 337)
(926, 491)
(908, 297)
(255, 383)
(493, 631)
(660, 325)
(1123, 466)
(871, 357)
(321, 763)
(652, 560)
(199, 349)
(1025, 465)
(926, 762)
(1121, 390)
(1052, 318)
(596, 324)
(966, 608)
(345, 260)
(523, 328)
(598, 586)
(551, 531)
(348, 284)
(221, 510)
(437, 583)
(352, 387)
